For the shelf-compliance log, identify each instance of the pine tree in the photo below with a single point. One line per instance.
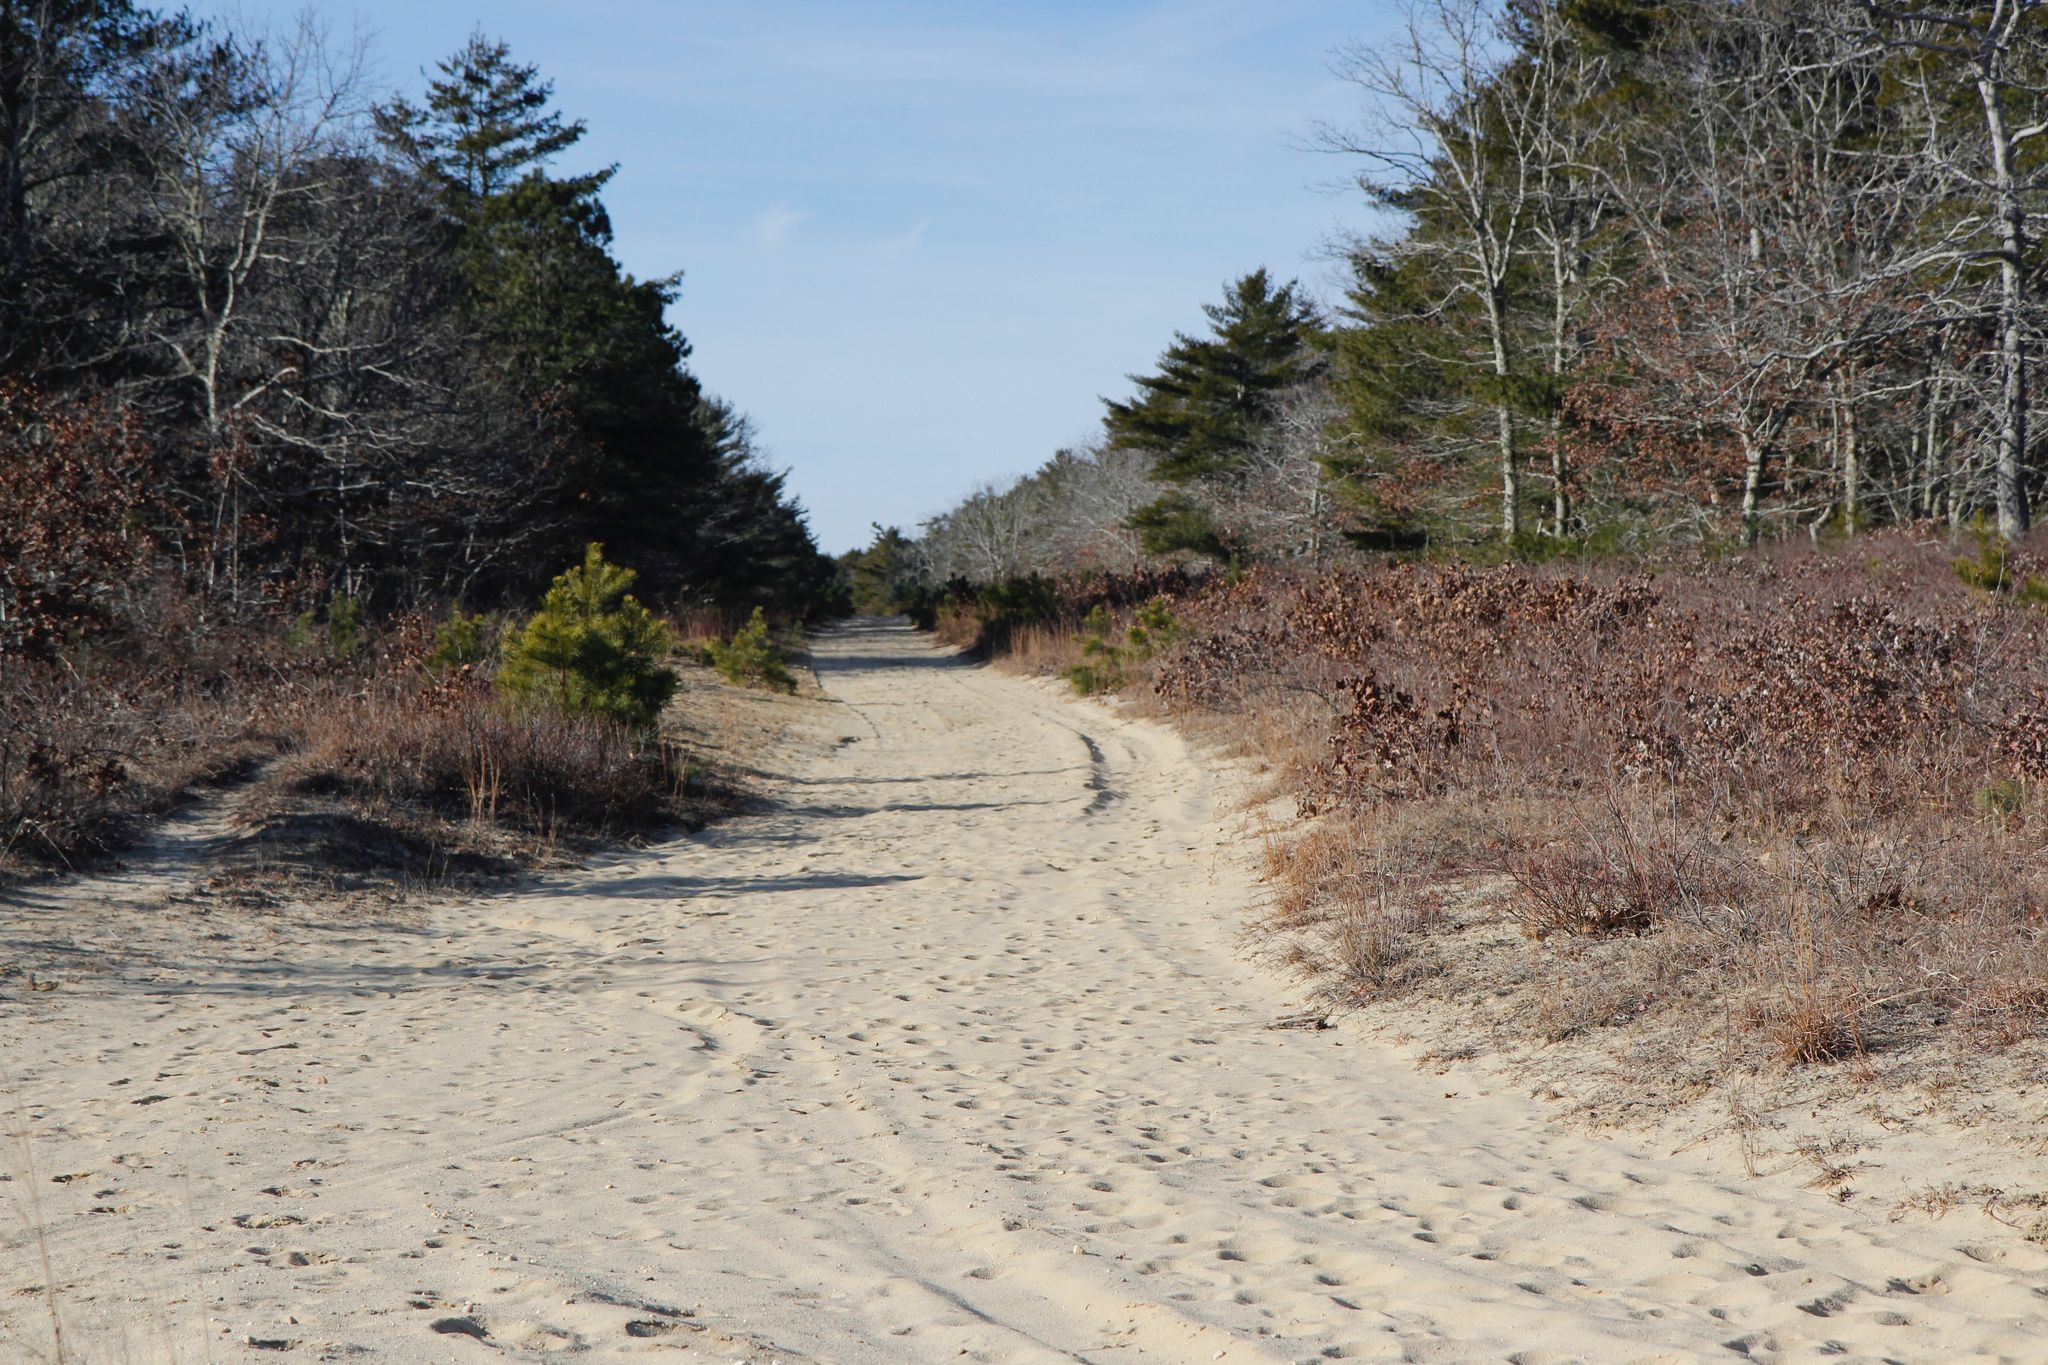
(1199, 417)
(646, 462)
(591, 648)
(1414, 406)
(883, 577)
(485, 126)
(572, 333)
(1200, 413)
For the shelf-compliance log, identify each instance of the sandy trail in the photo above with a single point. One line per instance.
(948, 1057)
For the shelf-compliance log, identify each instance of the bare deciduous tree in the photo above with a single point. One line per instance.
(992, 535)
(1450, 141)
(2001, 53)
(1282, 508)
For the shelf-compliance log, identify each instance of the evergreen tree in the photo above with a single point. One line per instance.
(63, 65)
(1415, 405)
(578, 335)
(573, 334)
(1176, 523)
(1200, 416)
(485, 126)
(591, 648)
(1201, 412)
(884, 576)
(750, 533)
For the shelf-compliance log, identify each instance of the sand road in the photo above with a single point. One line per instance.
(948, 1057)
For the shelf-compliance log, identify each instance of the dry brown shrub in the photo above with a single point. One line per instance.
(94, 746)
(452, 748)
(1809, 777)
(1587, 891)
(1813, 1023)
(2004, 1012)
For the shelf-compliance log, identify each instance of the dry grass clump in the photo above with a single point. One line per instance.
(1351, 928)
(2004, 1011)
(1815, 1024)
(1044, 649)
(455, 750)
(395, 762)
(439, 747)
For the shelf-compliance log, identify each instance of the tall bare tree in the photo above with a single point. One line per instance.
(1446, 140)
(1998, 53)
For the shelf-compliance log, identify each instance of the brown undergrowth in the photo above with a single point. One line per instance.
(435, 780)
(1778, 813)
(95, 745)
(372, 766)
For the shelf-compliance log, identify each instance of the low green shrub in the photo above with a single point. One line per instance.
(1995, 568)
(461, 641)
(591, 648)
(1031, 600)
(1156, 629)
(752, 658)
(2002, 798)
(1103, 666)
(341, 632)
(1102, 660)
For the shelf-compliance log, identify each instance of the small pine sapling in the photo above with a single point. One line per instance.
(591, 648)
(753, 658)
(1156, 629)
(1102, 665)
(1997, 569)
(459, 642)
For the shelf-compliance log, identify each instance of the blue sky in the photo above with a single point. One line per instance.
(922, 240)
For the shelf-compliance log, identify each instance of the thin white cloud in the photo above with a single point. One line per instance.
(773, 227)
(904, 243)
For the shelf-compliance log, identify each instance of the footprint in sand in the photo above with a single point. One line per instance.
(268, 1220)
(460, 1327)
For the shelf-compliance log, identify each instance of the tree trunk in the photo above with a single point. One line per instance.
(1561, 276)
(1752, 488)
(1504, 419)
(1852, 462)
(2007, 476)
(1560, 478)
(1933, 450)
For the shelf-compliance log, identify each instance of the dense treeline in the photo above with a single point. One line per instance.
(1705, 271)
(293, 373)
(363, 344)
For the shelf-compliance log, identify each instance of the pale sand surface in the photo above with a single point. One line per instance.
(947, 1057)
